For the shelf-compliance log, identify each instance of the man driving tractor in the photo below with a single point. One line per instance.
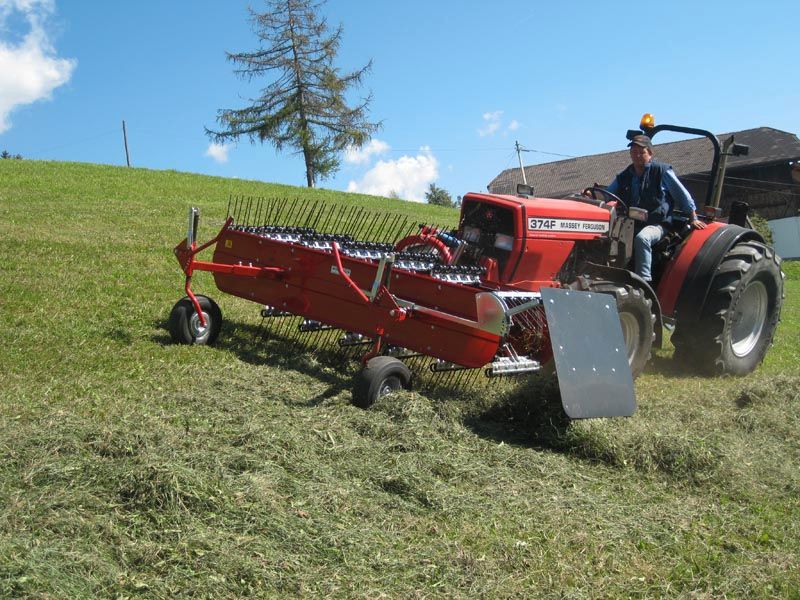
(653, 186)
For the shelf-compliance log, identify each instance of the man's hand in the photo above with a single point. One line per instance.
(697, 224)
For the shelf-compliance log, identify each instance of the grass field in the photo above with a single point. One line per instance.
(135, 468)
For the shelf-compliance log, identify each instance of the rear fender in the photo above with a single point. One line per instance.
(685, 283)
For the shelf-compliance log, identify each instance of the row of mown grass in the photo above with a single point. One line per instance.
(132, 467)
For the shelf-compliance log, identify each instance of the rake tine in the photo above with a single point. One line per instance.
(356, 223)
(310, 214)
(249, 209)
(228, 212)
(324, 218)
(329, 219)
(267, 212)
(292, 208)
(389, 228)
(410, 230)
(371, 228)
(256, 209)
(377, 235)
(247, 214)
(234, 212)
(283, 210)
(377, 224)
(348, 220)
(275, 210)
(341, 212)
(240, 210)
(336, 219)
(364, 223)
(257, 218)
(386, 232)
(316, 225)
(301, 210)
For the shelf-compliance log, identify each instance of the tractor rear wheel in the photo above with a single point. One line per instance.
(740, 314)
(637, 321)
(184, 323)
(381, 376)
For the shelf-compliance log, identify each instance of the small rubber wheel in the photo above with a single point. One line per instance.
(184, 323)
(382, 375)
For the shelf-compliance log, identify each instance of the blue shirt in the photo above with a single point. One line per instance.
(681, 198)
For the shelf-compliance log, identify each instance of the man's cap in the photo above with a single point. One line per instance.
(642, 141)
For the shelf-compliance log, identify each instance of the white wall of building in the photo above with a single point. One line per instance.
(786, 234)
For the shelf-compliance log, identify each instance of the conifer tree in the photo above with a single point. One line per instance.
(304, 106)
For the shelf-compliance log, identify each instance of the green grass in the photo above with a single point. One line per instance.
(135, 468)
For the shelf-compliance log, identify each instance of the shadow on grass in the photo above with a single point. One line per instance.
(303, 355)
(162, 338)
(527, 415)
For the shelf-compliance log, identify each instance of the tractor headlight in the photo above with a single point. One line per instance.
(472, 234)
(503, 241)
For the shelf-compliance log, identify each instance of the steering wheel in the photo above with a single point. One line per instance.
(605, 195)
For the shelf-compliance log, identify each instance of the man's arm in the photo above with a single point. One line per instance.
(683, 199)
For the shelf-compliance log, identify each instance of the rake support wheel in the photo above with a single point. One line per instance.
(381, 376)
(185, 326)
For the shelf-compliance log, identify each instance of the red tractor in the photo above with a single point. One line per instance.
(523, 284)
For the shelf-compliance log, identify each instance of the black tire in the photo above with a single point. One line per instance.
(184, 324)
(381, 376)
(739, 317)
(637, 321)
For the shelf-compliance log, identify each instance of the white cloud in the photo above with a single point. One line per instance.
(408, 176)
(30, 70)
(219, 152)
(514, 125)
(491, 123)
(359, 156)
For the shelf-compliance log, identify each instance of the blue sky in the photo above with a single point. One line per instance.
(454, 83)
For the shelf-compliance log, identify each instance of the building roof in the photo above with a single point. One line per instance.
(688, 157)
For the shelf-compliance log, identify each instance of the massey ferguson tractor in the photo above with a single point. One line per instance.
(523, 285)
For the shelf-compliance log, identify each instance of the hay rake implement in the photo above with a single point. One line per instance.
(411, 306)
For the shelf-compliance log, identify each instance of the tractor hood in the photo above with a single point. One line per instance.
(543, 217)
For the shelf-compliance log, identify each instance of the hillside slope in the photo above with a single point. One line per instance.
(135, 467)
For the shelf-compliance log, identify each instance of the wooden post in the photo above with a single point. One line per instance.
(125, 138)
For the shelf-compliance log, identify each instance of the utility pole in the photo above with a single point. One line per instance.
(125, 139)
(519, 157)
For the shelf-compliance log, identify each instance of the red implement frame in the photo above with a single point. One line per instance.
(421, 313)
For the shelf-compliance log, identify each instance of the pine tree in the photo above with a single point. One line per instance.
(304, 106)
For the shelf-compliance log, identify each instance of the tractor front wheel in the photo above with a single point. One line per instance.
(637, 321)
(185, 326)
(740, 314)
(382, 375)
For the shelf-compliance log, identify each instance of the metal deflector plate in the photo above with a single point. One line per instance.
(594, 376)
